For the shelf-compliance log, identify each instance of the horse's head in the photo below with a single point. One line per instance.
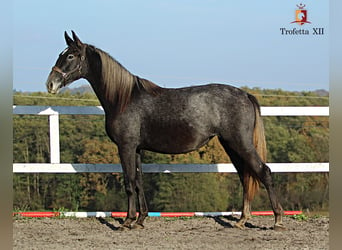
(70, 65)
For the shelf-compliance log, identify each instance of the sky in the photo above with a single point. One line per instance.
(179, 43)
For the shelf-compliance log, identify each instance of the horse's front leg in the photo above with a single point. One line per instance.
(127, 157)
(143, 210)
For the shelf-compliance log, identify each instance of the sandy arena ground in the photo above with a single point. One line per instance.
(169, 233)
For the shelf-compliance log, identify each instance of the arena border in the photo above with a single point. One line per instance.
(150, 214)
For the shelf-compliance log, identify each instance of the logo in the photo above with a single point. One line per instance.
(301, 18)
(301, 15)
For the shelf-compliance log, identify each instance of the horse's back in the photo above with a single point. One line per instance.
(205, 103)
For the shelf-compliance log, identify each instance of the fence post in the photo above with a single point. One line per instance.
(54, 138)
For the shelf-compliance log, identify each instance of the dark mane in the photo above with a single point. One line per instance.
(119, 83)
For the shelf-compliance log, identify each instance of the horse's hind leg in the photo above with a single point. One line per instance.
(247, 159)
(247, 199)
(266, 179)
(141, 195)
(263, 173)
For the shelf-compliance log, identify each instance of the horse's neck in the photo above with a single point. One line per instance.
(94, 77)
(116, 87)
(109, 102)
(104, 100)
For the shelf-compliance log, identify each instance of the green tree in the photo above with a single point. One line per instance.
(191, 192)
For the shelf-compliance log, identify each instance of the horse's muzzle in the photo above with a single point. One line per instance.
(53, 86)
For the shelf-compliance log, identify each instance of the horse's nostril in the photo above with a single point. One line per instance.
(50, 85)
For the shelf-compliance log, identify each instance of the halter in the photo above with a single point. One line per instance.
(66, 74)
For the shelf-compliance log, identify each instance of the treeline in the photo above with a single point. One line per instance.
(83, 140)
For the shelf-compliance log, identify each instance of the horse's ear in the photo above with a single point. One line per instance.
(68, 40)
(77, 41)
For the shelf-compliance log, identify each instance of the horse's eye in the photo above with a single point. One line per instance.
(70, 57)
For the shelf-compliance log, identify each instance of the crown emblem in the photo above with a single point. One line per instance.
(301, 15)
(301, 6)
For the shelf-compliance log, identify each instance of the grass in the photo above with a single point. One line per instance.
(300, 217)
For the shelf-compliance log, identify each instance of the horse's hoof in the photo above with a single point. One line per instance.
(124, 228)
(240, 226)
(279, 227)
(138, 226)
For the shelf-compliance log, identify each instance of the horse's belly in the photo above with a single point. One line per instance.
(176, 140)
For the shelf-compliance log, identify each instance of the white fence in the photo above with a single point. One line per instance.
(56, 167)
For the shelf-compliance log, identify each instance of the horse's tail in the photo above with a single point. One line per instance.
(251, 181)
(259, 133)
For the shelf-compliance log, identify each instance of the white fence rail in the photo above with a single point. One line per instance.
(56, 167)
(64, 168)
